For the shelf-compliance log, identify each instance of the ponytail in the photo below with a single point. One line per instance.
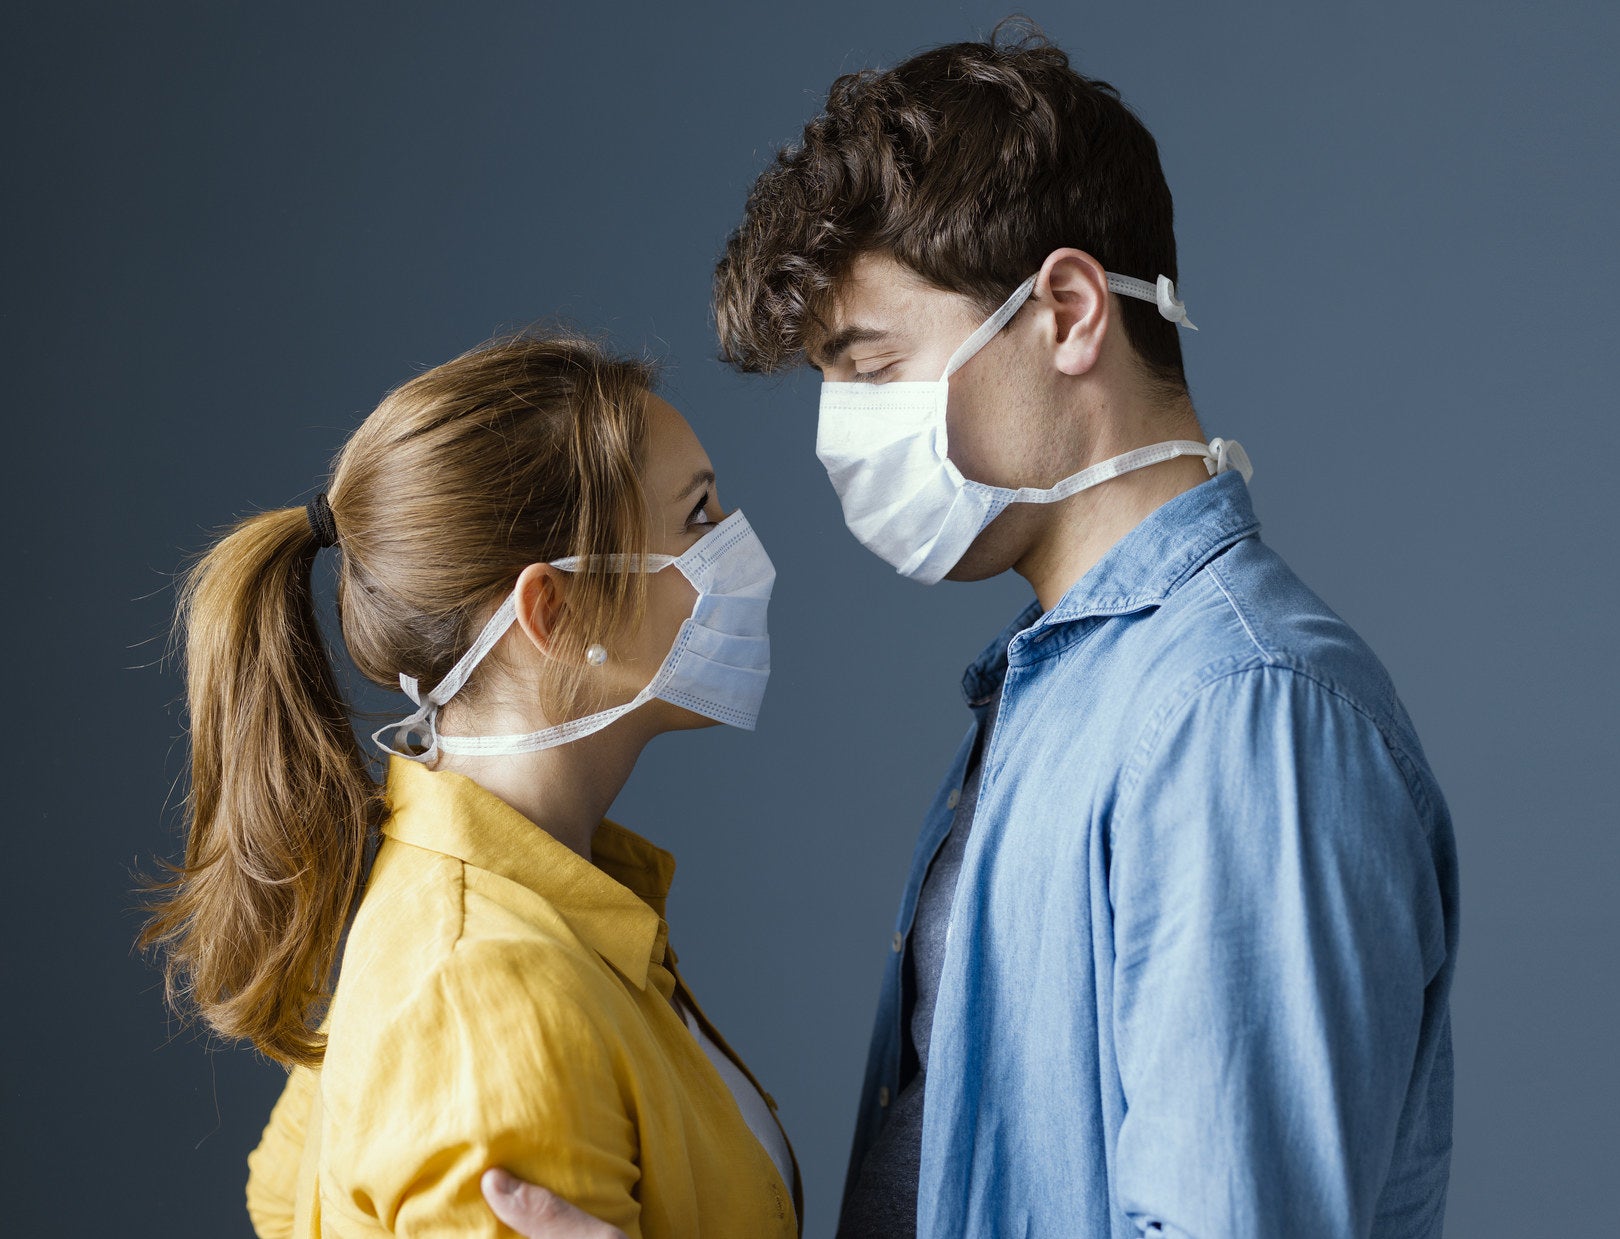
(519, 452)
(280, 801)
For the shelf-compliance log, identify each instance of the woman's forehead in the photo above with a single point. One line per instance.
(674, 454)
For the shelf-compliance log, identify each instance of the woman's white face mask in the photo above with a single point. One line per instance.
(717, 666)
(886, 449)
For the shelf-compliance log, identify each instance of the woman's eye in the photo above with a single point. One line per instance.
(700, 514)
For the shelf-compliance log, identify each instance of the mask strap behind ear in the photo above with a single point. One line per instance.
(1162, 294)
(649, 562)
(426, 717)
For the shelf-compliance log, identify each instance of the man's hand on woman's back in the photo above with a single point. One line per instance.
(538, 1214)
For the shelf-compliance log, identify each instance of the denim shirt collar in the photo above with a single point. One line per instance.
(986, 672)
(1141, 570)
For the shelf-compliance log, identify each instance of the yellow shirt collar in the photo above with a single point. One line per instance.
(614, 902)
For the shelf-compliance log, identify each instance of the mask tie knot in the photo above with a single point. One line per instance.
(423, 721)
(1162, 294)
(1227, 454)
(1170, 306)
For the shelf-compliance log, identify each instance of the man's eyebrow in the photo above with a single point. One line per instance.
(703, 477)
(830, 348)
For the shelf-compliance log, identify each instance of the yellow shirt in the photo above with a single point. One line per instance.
(503, 1002)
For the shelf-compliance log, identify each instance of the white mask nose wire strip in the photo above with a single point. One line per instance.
(1162, 294)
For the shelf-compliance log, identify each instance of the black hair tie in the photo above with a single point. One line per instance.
(321, 522)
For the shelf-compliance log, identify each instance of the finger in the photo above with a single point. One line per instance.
(535, 1213)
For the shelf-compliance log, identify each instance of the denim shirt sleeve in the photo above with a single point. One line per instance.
(1277, 918)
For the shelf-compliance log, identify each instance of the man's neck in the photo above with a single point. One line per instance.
(1081, 530)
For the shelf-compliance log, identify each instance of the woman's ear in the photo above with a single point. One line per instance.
(1074, 287)
(540, 596)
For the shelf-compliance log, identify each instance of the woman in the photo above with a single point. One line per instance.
(530, 544)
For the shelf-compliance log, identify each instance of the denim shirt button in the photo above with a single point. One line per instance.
(954, 799)
(883, 1096)
(898, 942)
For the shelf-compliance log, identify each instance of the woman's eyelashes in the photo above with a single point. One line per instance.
(700, 514)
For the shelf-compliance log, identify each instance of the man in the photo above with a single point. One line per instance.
(1175, 951)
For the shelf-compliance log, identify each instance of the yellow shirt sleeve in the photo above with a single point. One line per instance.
(273, 1166)
(495, 1060)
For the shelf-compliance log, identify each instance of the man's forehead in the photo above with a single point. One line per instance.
(874, 282)
(874, 297)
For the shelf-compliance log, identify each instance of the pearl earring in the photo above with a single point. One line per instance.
(596, 655)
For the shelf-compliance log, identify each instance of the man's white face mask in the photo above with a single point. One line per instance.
(886, 449)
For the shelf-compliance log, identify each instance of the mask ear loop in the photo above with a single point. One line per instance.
(577, 728)
(989, 327)
(1161, 294)
(615, 563)
(425, 720)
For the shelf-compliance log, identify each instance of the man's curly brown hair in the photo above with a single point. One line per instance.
(969, 164)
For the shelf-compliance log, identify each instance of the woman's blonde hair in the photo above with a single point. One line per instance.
(522, 451)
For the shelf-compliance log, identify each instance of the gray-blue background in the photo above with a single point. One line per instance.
(228, 228)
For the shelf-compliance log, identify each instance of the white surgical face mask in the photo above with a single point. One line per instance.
(886, 449)
(717, 666)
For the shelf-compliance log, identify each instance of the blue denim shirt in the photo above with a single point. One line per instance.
(1197, 975)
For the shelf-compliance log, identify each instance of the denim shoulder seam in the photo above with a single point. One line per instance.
(1416, 788)
(1155, 728)
(1159, 721)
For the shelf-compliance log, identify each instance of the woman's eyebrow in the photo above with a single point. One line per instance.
(703, 477)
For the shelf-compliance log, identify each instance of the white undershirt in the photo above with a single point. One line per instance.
(755, 1112)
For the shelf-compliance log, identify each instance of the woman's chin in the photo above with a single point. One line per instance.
(682, 719)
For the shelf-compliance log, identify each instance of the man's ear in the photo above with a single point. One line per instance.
(540, 595)
(1073, 287)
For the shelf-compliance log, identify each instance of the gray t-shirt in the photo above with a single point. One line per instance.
(882, 1203)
